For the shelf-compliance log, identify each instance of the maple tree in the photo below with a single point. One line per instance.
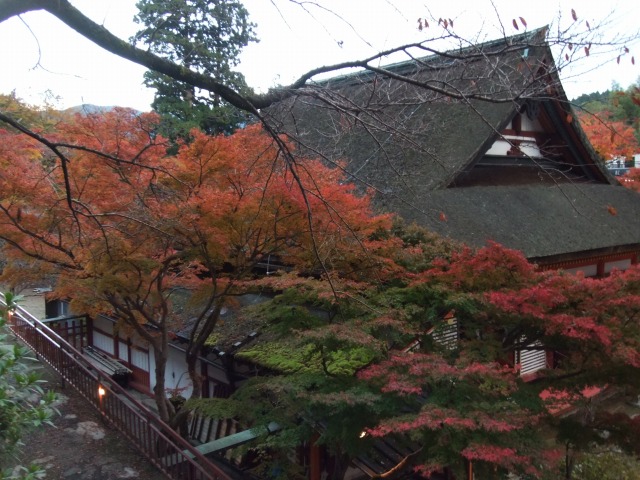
(621, 104)
(345, 372)
(611, 138)
(611, 125)
(29, 115)
(367, 367)
(350, 344)
(125, 226)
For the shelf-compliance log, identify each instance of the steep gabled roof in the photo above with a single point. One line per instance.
(413, 144)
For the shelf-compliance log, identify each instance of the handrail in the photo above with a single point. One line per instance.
(154, 438)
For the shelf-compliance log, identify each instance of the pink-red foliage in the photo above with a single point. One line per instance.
(491, 267)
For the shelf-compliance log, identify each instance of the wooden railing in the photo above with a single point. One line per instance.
(155, 439)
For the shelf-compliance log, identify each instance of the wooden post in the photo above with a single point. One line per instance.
(89, 331)
(315, 459)
(61, 366)
(469, 470)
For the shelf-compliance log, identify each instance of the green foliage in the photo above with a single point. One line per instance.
(288, 357)
(24, 404)
(204, 36)
(595, 101)
(613, 105)
(212, 340)
(302, 404)
(302, 336)
(571, 430)
(280, 357)
(420, 246)
(608, 466)
(373, 365)
(37, 118)
(32, 472)
(183, 109)
(289, 311)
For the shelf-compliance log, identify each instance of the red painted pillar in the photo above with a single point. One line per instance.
(315, 459)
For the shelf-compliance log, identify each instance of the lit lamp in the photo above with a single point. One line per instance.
(101, 393)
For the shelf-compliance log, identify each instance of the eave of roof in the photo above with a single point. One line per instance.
(540, 221)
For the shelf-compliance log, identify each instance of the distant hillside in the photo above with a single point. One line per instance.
(89, 109)
(595, 99)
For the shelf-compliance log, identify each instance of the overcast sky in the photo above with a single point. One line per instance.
(40, 55)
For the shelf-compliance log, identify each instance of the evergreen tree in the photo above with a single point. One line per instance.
(203, 35)
(614, 105)
(627, 106)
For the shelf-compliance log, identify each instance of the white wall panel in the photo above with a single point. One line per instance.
(103, 342)
(588, 270)
(123, 351)
(140, 359)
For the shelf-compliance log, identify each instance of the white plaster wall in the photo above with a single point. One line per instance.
(123, 351)
(103, 342)
(588, 270)
(177, 376)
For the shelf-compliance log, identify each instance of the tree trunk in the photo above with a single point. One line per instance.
(160, 356)
(568, 463)
(194, 375)
(196, 342)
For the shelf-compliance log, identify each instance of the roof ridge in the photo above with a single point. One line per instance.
(520, 41)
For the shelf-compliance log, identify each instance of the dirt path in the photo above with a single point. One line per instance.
(80, 446)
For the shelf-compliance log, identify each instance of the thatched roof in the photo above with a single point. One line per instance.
(541, 221)
(412, 144)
